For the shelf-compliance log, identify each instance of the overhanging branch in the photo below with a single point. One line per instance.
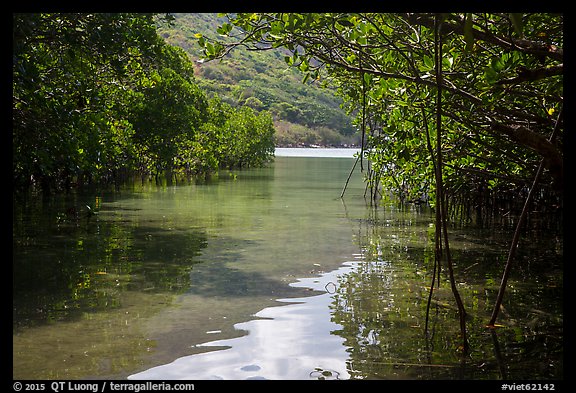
(553, 159)
(526, 75)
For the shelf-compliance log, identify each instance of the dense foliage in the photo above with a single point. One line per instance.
(97, 96)
(464, 107)
(501, 90)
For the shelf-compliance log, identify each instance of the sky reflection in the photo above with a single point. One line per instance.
(293, 341)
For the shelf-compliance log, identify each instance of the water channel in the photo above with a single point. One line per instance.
(268, 274)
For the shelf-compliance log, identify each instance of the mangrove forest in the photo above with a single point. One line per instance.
(454, 191)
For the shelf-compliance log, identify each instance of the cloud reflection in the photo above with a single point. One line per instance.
(293, 341)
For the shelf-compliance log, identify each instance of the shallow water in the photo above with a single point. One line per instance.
(267, 273)
(293, 341)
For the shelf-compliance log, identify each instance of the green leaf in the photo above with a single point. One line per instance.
(490, 75)
(428, 62)
(209, 49)
(497, 64)
(224, 29)
(367, 79)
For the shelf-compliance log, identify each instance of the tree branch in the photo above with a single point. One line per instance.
(525, 75)
(552, 157)
(536, 48)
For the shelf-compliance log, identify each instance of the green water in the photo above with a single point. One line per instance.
(160, 270)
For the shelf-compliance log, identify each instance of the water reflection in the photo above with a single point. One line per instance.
(368, 323)
(294, 341)
(82, 287)
(159, 269)
(381, 306)
(162, 279)
(87, 269)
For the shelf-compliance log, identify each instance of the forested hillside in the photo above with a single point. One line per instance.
(304, 113)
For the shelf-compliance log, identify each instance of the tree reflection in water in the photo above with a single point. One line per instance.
(381, 306)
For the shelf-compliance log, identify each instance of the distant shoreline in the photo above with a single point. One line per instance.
(315, 146)
(318, 152)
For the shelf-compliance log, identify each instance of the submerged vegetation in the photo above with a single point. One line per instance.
(99, 96)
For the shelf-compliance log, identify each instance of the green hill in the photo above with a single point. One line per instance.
(304, 114)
